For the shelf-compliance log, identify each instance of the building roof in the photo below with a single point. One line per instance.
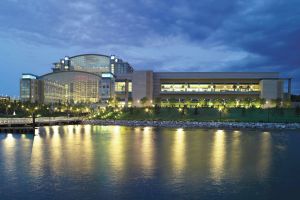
(216, 75)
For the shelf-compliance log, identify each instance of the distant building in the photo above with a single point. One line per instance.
(92, 78)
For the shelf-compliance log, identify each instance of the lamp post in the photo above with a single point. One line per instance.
(7, 109)
(220, 114)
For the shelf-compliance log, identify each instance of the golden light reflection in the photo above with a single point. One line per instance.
(265, 153)
(116, 153)
(55, 152)
(218, 155)
(64, 150)
(179, 158)
(14, 151)
(37, 155)
(79, 146)
(8, 148)
(236, 153)
(147, 152)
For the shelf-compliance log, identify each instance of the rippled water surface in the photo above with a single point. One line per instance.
(113, 162)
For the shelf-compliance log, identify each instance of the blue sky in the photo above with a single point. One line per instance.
(163, 35)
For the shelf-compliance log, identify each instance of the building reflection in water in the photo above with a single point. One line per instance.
(179, 156)
(218, 155)
(15, 151)
(8, 149)
(120, 152)
(63, 149)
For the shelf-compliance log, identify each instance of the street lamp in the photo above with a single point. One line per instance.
(220, 113)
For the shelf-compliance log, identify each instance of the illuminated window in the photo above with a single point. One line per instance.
(120, 86)
(129, 87)
(202, 87)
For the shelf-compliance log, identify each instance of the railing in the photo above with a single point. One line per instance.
(4, 121)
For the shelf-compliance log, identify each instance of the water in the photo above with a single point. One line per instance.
(113, 162)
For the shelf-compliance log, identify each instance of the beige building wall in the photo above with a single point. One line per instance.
(271, 89)
(142, 86)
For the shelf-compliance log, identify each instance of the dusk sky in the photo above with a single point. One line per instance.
(163, 35)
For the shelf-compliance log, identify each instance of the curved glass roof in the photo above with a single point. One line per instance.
(94, 63)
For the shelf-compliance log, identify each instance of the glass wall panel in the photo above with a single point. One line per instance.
(119, 86)
(204, 87)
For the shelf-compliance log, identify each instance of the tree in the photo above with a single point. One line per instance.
(144, 101)
(278, 102)
(196, 110)
(202, 102)
(262, 102)
(131, 110)
(188, 102)
(287, 103)
(157, 100)
(184, 110)
(217, 102)
(156, 109)
(172, 101)
(234, 87)
(113, 102)
(231, 103)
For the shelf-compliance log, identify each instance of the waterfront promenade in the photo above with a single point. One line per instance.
(45, 121)
(39, 121)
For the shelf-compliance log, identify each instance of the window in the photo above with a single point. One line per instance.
(209, 87)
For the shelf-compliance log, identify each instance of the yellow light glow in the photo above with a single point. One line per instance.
(147, 152)
(179, 157)
(265, 154)
(116, 154)
(218, 155)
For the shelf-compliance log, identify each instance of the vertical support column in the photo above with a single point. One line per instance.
(126, 93)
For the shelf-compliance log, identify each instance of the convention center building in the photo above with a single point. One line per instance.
(95, 78)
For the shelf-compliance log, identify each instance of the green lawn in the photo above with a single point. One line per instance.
(206, 114)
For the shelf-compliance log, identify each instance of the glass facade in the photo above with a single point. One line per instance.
(25, 89)
(71, 86)
(121, 68)
(121, 87)
(106, 88)
(90, 63)
(54, 92)
(203, 87)
(30, 88)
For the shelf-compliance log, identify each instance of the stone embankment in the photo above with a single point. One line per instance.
(183, 124)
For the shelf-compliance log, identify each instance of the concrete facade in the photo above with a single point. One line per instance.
(142, 86)
(271, 89)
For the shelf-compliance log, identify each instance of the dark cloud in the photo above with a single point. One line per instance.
(167, 35)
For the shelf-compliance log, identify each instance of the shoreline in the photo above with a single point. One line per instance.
(186, 124)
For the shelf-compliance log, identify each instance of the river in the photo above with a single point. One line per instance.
(117, 162)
